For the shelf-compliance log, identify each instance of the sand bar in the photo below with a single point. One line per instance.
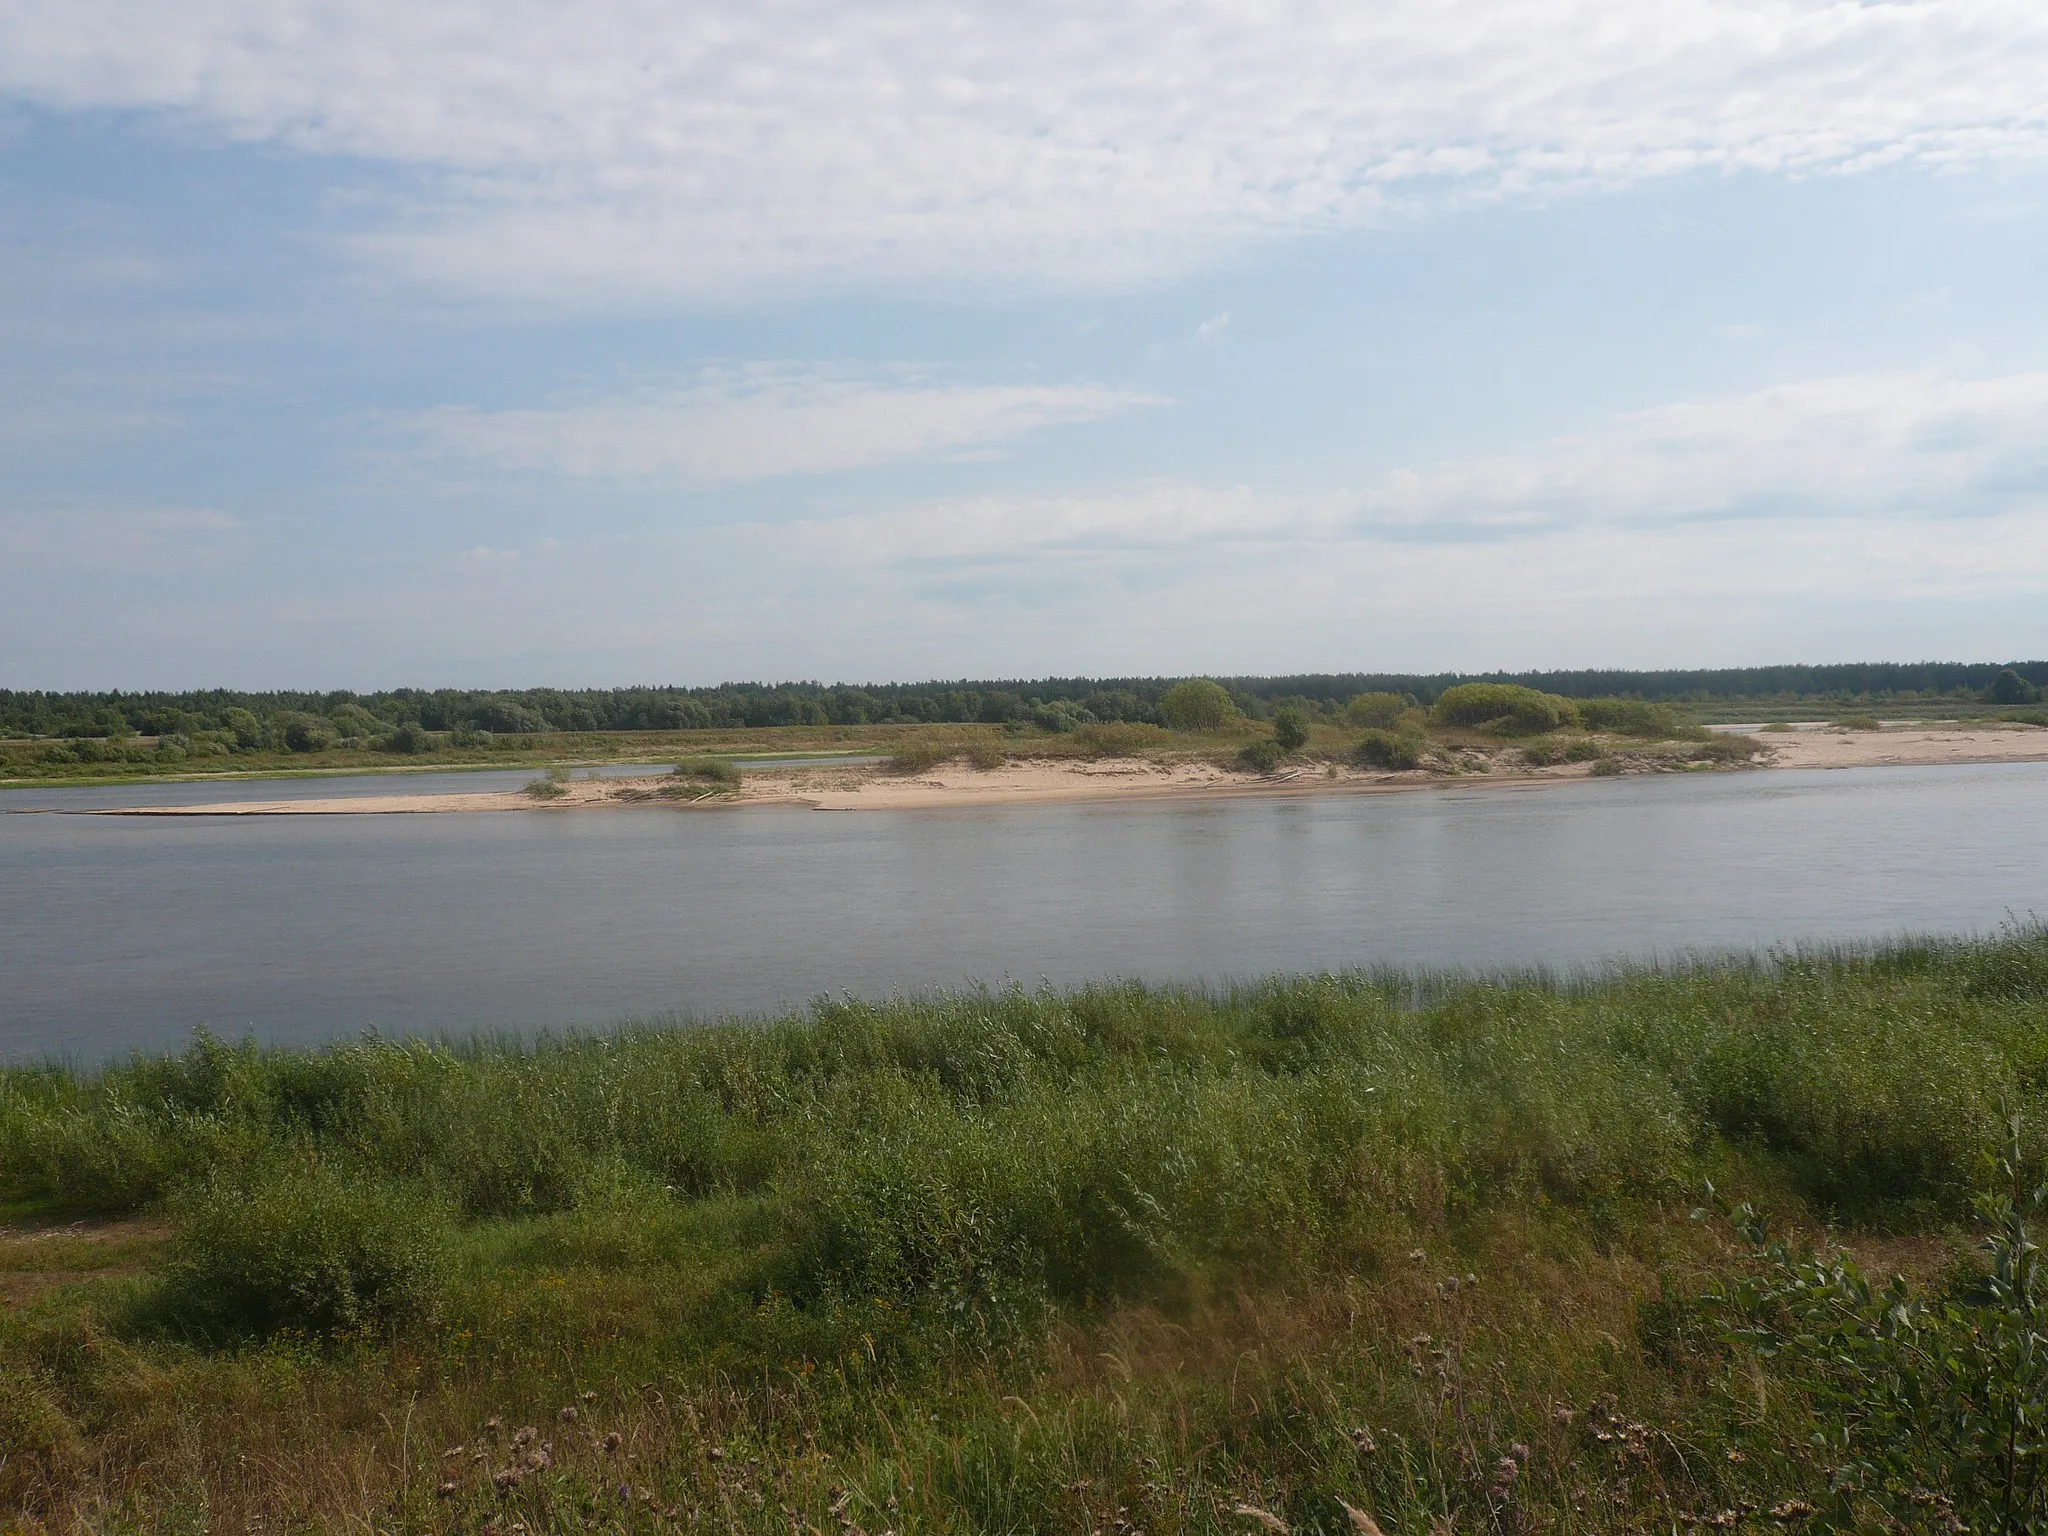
(1025, 781)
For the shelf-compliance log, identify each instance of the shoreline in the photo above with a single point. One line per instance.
(816, 784)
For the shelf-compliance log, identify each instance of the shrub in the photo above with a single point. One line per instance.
(1290, 729)
(1376, 711)
(1636, 717)
(410, 738)
(2010, 688)
(1389, 750)
(306, 1248)
(307, 733)
(1119, 738)
(922, 756)
(986, 756)
(545, 789)
(1503, 709)
(714, 771)
(1606, 767)
(1723, 749)
(1196, 705)
(1260, 756)
(1858, 723)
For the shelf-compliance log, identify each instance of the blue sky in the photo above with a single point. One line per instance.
(361, 343)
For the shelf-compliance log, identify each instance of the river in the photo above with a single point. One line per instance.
(121, 933)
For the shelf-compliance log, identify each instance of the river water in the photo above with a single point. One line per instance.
(118, 933)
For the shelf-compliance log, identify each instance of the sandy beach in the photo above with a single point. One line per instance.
(1024, 781)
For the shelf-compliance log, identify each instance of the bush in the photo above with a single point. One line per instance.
(714, 771)
(1197, 705)
(2010, 688)
(1376, 711)
(1503, 709)
(307, 733)
(1636, 717)
(410, 738)
(1290, 729)
(1260, 756)
(545, 789)
(986, 756)
(1120, 738)
(922, 756)
(1723, 749)
(1858, 723)
(307, 1248)
(1388, 750)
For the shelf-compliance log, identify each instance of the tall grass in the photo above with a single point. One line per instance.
(1010, 1258)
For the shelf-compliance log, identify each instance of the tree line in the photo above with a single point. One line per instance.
(297, 720)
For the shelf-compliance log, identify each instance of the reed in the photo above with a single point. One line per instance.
(1010, 1258)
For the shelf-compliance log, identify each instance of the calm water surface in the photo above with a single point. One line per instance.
(119, 932)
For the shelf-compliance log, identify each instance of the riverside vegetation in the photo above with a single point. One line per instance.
(114, 736)
(1359, 1253)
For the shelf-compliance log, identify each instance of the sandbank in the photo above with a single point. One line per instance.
(1026, 781)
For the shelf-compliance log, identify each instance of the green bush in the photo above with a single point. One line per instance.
(306, 1248)
(545, 789)
(1260, 756)
(716, 772)
(1389, 750)
(1503, 709)
(986, 756)
(1376, 711)
(922, 756)
(1857, 723)
(2010, 688)
(1636, 717)
(1290, 728)
(1197, 705)
(410, 739)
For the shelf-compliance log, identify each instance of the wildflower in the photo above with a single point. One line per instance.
(590, 1397)
(447, 1489)
(1736, 1458)
(1520, 1452)
(612, 1441)
(491, 1426)
(525, 1434)
(1505, 1471)
(1792, 1509)
(509, 1477)
(567, 1415)
(452, 1452)
(1361, 1437)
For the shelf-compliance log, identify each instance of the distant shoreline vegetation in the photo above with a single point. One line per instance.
(400, 720)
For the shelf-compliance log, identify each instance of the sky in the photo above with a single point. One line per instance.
(369, 343)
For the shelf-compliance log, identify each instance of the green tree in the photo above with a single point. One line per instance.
(1376, 711)
(1290, 729)
(2010, 688)
(1196, 705)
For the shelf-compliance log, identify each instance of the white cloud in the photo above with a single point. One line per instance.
(760, 422)
(639, 148)
(1951, 470)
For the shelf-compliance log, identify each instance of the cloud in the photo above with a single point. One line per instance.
(643, 149)
(760, 422)
(1885, 460)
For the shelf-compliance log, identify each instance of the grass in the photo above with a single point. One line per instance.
(1117, 1257)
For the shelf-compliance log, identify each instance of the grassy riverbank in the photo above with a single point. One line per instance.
(1113, 1259)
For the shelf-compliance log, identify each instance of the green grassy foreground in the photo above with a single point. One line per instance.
(1339, 1254)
